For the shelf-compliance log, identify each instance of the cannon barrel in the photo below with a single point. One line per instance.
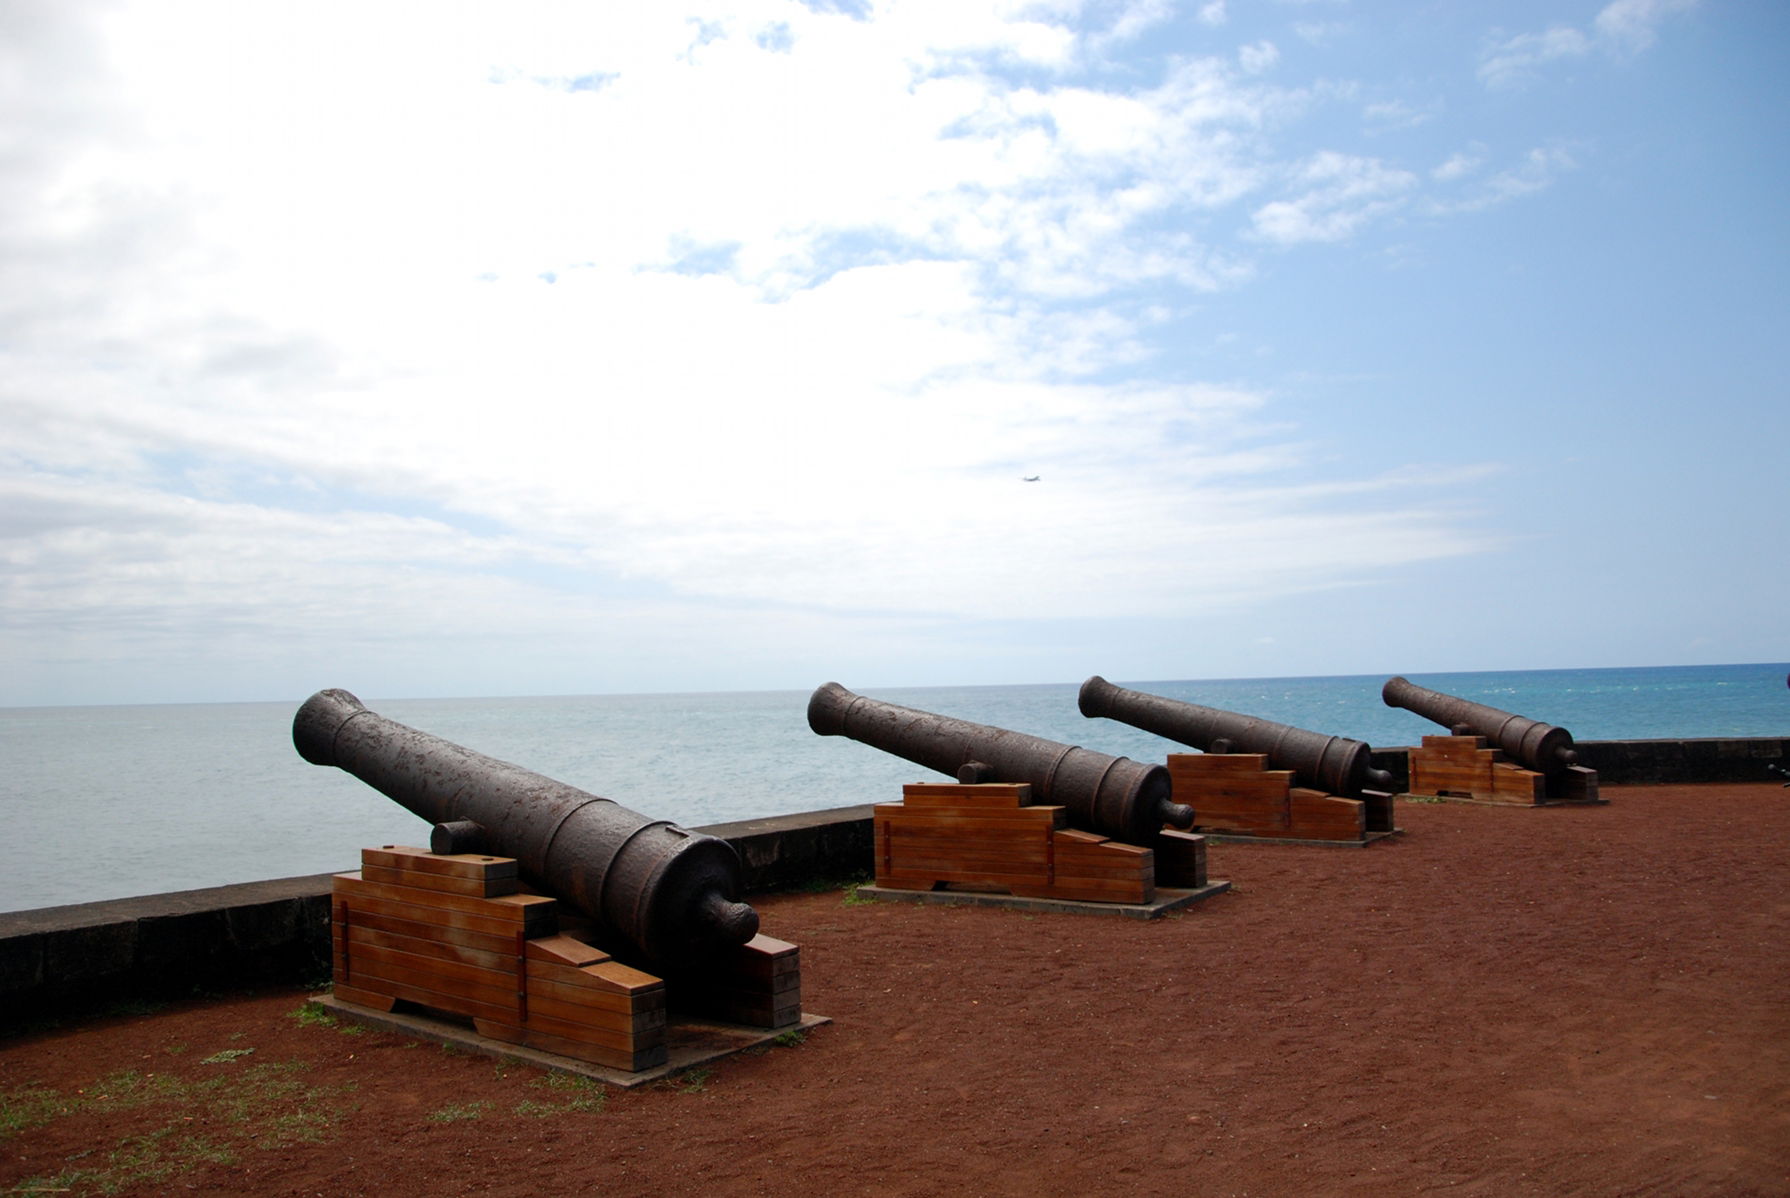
(1545, 748)
(1113, 796)
(1330, 763)
(668, 892)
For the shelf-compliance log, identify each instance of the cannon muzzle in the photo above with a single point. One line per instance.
(1113, 796)
(669, 893)
(1330, 763)
(1544, 748)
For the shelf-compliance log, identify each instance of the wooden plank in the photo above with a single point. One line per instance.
(479, 941)
(1515, 784)
(1180, 859)
(926, 879)
(534, 913)
(411, 990)
(645, 1057)
(563, 986)
(1033, 852)
(951, 868)
(1320, 816)
(365, 906)
(440, 883)
(362, 935)
(753, 1010)
(972, 817)
(364, 998)
(1068, 849)
(1090, 871)
(564, 950)
(607, 1029)
(1094, 890)
(547, 998)
(995, 795)
(1447, 742)
(448, 865)
(763, 958)
(494, 986)
(650, 1057)
(1218, 763)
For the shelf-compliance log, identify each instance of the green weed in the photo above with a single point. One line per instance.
(584, 1095)
(691, 1081)
(29, 1106)
(457, 1114)
(226, 1056)
(256, 1106)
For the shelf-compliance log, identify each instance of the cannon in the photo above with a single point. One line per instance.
(1544, 748)
(668, 893)
(1113, 796)
(1334, 764)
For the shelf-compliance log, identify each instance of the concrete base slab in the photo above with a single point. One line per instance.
(1240, 838)
(1166, 900)
(689, 1042)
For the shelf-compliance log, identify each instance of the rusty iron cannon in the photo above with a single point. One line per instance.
(1544, 748)
(1334, 764)
(1113, 796)
(666, 892)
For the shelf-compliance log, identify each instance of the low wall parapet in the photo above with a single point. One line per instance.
(57, 959)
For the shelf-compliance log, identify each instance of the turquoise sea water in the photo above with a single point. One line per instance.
(109, 802)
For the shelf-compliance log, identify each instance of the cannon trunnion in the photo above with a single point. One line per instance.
(1113, 796)
(668, 893)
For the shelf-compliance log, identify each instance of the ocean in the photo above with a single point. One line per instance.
(112, 802)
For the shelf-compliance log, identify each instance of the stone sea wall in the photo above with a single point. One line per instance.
(94, 955)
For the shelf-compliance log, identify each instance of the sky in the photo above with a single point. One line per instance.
(456, 349)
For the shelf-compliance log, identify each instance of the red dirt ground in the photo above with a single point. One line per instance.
(1502, 1002)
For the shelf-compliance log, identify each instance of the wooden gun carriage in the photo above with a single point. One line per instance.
(1254, 777)
(1027, 816)
(1490, 756)
(545, 915)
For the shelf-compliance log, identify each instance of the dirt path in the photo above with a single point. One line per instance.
(1502, 1002)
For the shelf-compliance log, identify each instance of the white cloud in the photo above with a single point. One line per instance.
(340, 319)
(1515, 60)
(1534, 171)
(1623, 26)
(1634, 24)
(1257, 57)
(1460, 165)
(1338, 194)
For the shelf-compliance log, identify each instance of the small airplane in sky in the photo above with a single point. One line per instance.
(1030, 478)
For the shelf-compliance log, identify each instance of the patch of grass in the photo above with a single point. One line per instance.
(152, 1158)
(28, 1106)
(465, 1111)
(257, 1106)
(579, 1094)
(791, 1038)
(853, 899)
(226, 1056)
(314, 1016)
(690, 1081)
